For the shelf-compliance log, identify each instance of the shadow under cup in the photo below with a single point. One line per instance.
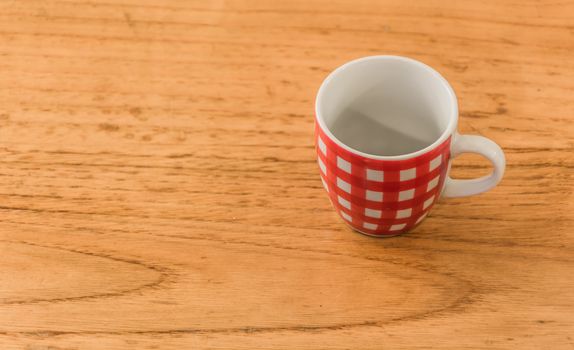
(383, 131)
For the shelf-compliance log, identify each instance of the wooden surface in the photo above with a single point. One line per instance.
(159, 191)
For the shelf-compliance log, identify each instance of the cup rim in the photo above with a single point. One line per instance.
(449, 130)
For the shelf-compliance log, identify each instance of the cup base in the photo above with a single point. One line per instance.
(372, 235)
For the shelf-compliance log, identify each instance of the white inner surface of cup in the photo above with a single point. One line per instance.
(386, 105)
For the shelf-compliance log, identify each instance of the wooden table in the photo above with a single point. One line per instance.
(159, 188)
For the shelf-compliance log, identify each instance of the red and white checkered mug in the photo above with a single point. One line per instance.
(385, 134)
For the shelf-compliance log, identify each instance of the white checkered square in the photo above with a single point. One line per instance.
(374, 196)
(375, 175)
(322, 166)
(343, 165)
(405, 213)
(324, 184)
(322, 146)
(345, 203)
(372, 213)
(346, 216)
(421, 218)
(435, 162)
(428, 202)
(369, 226)
(432, 184)
(344, 185)
(406, 195)
(408, 174)
(398, 227)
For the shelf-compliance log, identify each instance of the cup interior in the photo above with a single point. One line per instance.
(386, 106)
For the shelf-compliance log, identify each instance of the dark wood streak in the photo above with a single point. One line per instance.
(166, 277)
(248, 330)
(312, 12)
(132, 39)
(459, 304)
(131, 22)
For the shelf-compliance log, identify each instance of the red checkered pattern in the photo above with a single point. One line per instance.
(381, 197)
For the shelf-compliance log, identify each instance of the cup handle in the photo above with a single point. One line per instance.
(486, 148)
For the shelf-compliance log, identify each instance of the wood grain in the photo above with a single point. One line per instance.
(159, 191)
